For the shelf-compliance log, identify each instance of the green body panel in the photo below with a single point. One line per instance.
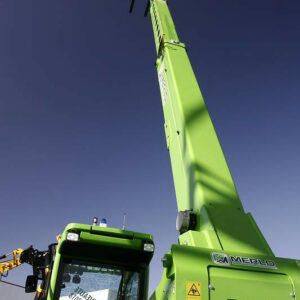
(232, 281)
(202, 179)
(203, 183)
(237, 284)
(103, 245)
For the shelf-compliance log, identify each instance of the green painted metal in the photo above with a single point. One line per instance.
(201, 176)
(203, 183)
(103, 245)
(227, 280)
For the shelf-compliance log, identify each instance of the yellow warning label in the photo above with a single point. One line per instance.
(193, 290)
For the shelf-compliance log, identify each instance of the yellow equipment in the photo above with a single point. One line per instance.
(8, 265)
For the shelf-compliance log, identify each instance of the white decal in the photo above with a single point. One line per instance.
(163, 84)
(224, 259)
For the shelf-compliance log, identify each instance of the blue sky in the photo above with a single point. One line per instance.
(81, 124)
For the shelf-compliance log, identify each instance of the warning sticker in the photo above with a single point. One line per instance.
(193, 290)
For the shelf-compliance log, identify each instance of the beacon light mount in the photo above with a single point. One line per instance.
(186, 220)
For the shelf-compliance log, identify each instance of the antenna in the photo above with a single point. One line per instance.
(131, 6)
(147, 9)
(124, 221)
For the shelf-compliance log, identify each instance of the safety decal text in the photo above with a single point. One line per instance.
(80, 294)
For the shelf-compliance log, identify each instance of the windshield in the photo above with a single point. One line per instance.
(84, 281)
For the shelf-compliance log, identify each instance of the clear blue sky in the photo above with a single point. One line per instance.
(81, 124)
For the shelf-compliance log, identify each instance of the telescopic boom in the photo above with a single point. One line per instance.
(210, 212)
(221, 253)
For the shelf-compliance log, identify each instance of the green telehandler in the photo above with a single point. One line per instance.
(222, 254)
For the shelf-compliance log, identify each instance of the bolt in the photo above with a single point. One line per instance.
(211, 287)
(292, 295)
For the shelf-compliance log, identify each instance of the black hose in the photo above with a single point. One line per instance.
(131, 6)
(147, 9)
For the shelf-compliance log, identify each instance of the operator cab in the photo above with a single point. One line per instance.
(101, 263)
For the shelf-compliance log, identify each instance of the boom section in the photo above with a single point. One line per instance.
(202, 180)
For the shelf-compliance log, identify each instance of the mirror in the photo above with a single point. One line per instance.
(31, 284)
